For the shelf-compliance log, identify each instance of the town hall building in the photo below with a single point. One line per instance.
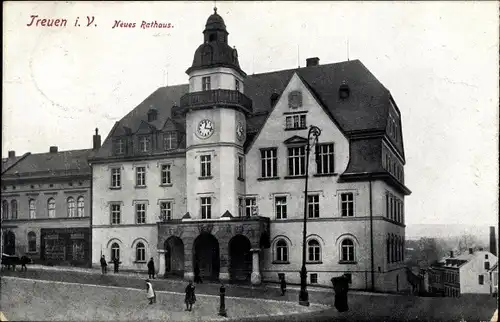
(208, 177)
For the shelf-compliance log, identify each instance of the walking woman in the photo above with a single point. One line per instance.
(190, 296)
(150, 293)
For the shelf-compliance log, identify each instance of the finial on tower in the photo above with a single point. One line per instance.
(215, 10)
(96, 131)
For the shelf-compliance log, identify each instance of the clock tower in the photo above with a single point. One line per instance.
(216, 109)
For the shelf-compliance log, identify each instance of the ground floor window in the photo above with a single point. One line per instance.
(115, 251)
(31, 242)
(314, 278)
(140, 252)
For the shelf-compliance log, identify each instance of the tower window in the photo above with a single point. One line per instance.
(205, 83)
(237, 84)
(212, 37)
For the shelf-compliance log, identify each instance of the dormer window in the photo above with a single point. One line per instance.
(144, 143)
(295, 99)
(344, 91)
(119, 146)
(274, 99)
(205, 83)
(152, 115)
(170, 140)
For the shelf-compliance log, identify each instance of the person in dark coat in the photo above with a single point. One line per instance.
(190, 298)
(197, 277)
(283, 285)
(116, 263)
(151, 268)
(104, 265)
(341, 286)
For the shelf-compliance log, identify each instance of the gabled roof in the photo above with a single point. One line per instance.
(7, 163)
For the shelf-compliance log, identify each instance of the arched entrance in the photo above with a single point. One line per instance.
(9, 243)
(206, 256)
(174, 256)
(240, 266)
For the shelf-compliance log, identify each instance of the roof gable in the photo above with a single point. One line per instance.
(145, 128)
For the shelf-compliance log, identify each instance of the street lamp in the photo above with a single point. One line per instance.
(314, 133)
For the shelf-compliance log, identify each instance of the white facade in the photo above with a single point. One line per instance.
(474, 275)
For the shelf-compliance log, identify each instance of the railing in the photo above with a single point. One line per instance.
(216, 97)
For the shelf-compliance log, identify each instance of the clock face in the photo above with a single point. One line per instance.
(205, 129)
(240, 132)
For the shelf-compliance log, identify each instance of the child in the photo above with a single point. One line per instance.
(150, 293)
(190, 296)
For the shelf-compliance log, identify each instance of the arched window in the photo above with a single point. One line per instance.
(281, 251)
(13, 209)
(32, 207)
(51, 206)
(398, 249)
(140, 254)
(115, 251)
(71, 207)
(388, 248)
(347, 248)
(314, 250)
(5, 209)
(81, 206)
(31, 242)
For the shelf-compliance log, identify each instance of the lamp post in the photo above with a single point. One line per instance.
(314, 133)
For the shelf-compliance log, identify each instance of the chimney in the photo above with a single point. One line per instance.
(12, 154)
(312, 61)
(471, 250)
(97, 140)
(451, 254)
(53, 149)
(493, 241)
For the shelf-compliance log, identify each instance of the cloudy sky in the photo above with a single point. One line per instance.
(438, 59)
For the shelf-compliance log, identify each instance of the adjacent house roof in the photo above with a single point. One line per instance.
(7, 163)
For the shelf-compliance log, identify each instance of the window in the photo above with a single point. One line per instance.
(115, 251)
(71, 207)
(170, 140)
(205, 83)
(116, 176)
(295, 122)
(80, 206)
(269, 163)
(51, 207)
(237, 84)
(297, 161)
(485, 256)
(116, 214)
(140, 252)
(347, 248)
(241, 167)
(5, 209)
(119, 146)
(280, 207)
(166, 174)
(13, 209)
(486, 265)
(140, 176)
(325, 159)
(281, 251)
(314, 251)
(250, 206)
(31, 242)
(140, 213)
(481, 279)
(388, 205)
(314, 278)
(144, 144)
(347, 204)
(32, 207)
(313, 206)
(206, 166)
(206, 207)
(166, 210)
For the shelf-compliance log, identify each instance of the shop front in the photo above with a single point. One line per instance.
(65, 246)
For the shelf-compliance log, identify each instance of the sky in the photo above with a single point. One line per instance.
(438, 59)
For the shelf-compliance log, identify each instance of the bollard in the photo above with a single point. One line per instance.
(222, 308)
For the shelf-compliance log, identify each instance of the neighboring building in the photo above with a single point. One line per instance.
(462, 274)
(209, 176)
(494, 279)
(46, 207)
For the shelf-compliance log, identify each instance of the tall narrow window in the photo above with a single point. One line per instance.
(281, 212)
(51, 207)
(140, 252)
(281, 251)
(115, 251)
(250, 206)
(5, 209)
(313, 206)
(144, 143)
(241, 167)
(205, 83)
(347, 249)
(119, 146)
(31, 242)
(237, 85)
(140, 176)
(314, 250)
(32, 207)
(71, 207)
(206, 207)
(170, 140)
(325, 159)
(269, 163)
(116, 180)
(206, 166)
(80, 206)
(166, 210)
(165, 174)
(140, 213)
(297, 161)
(481, 279)
(116, 214)
(347, 204)
(13, 209)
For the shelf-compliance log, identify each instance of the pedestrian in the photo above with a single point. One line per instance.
(116, 263)
(283, 285)
(341, 286)
(151, 268)
(190, 296)
(197, 277)
(104, 265)
(150, 293)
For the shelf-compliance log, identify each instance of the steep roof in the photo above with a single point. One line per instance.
(7, 163)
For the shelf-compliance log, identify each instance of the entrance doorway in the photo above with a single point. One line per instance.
(206, 256)
(174, 256)
(240, 267)
(9, 243)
